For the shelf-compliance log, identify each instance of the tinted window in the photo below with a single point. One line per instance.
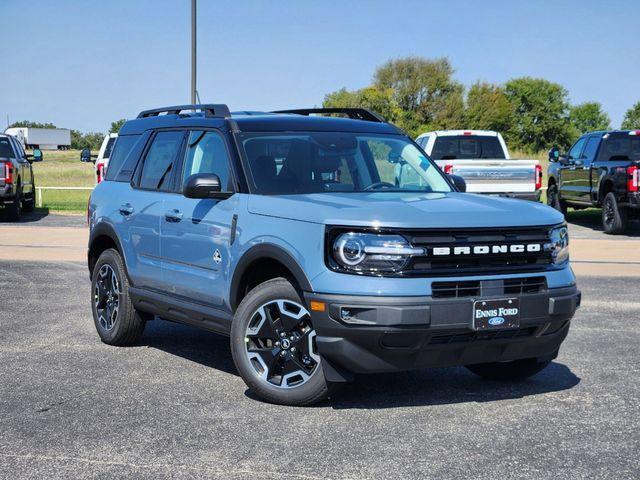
(621, 146)
(156, 171)
(207, 153)
(5, 148)
(121, 150)
(577, 148)
(466, 147)
(590, 149)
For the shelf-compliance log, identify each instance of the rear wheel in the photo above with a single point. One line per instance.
(509, 371)
(116, 320)
(614, 217)
(553, 199)
(273, 346)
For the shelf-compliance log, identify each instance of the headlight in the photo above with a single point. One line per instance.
(371, 253)
(558, 244)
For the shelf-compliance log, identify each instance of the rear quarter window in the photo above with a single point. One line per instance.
(122, 155)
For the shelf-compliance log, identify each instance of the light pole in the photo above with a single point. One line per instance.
(193, 52)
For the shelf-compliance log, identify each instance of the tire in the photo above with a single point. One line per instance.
(30, 204)
(509, 371)
(125, 325)
(614, 218)
(553, 199)
(285, 374)
(14, 210)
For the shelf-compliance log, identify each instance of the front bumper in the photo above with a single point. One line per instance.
(386, 334)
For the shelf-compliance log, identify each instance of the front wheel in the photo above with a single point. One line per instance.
(553, 199)
(614, 217)
(509, 371)
(273, 346)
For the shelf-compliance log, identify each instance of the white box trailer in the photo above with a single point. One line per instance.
(42, 138)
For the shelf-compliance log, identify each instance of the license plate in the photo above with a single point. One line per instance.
(496, 314)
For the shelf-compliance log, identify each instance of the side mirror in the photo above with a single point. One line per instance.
(563, 159)
(85, 155)
(459, 183)
(554, 154)
(36, 156)
(577, 162)
(203, 185)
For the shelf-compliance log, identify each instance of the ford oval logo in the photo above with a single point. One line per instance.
(496, 321)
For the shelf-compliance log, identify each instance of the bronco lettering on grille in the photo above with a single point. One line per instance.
(486, 249)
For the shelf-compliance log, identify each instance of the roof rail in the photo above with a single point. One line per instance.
(210, 110)
(354, 113)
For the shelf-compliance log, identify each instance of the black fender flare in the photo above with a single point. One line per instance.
(269, 251)
(104, 229)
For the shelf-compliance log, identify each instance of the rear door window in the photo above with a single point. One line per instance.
(590, 149)
(157, 170)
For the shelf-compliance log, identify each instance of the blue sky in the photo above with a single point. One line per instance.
(83, 64)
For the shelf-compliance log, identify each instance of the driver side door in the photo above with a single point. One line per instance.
(569, 173)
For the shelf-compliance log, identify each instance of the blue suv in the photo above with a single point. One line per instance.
(292, 233)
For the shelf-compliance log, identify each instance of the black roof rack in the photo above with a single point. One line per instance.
(210, 110)
(354, 113)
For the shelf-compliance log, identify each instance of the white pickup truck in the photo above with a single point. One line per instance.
(482, 159)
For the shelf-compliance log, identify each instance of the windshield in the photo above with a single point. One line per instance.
(466, 147)
(315, 162)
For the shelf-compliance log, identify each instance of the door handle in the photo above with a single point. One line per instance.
(126, 209)
(173, 215)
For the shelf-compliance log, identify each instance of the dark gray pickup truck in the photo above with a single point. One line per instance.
(17, 188)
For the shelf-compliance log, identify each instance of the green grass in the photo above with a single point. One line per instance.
(64, 169)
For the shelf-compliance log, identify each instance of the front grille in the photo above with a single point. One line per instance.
(477, 288)
(469, 337)
(477, 262)
(521, 286)
(455, 289)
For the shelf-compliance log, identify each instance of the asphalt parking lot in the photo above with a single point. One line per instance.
(173, 406)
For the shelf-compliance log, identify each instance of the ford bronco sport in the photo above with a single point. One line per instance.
(288, 232)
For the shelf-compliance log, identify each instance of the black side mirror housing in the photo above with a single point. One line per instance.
(85, 155)
(36, 156)
(563, 159)
(554, 154)
(204, 185)
(459, 183)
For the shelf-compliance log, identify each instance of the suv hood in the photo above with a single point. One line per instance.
(405, 210)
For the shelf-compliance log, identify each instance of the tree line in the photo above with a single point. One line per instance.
(420, 95)
(79, 140)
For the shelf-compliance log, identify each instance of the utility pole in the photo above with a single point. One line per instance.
(193, 52)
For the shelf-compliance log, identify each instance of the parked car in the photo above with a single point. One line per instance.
(42, 138)
(17, 185)
(102, 160)
(481, 157)
(288, 232)
(600, 170)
